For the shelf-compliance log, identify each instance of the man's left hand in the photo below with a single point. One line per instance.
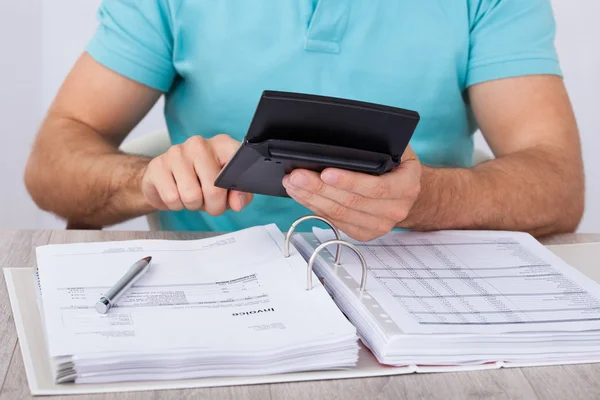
(361, 205)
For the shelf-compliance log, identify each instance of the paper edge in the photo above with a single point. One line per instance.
(21, 334)
(36, 389)
(586, 244)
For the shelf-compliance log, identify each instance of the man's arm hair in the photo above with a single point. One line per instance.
(75, 169)
(536, 181)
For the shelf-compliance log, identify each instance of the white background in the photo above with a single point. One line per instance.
(40, 40)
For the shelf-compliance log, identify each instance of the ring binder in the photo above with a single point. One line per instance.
(288, 235)
(338, 256)
(311, 261)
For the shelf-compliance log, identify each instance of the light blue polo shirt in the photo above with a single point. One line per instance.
(213, 59)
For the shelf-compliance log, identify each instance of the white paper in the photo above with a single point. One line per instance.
(226, 297)
(473, 282)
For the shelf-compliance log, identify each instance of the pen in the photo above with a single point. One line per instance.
(134, 273)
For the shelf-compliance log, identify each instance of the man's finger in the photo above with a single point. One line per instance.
(207, 168)
(309, 182)
(390, 185)
(164, 183)
(187, 182)
(386, 208)
(337, 211)
(409, 154)
(153, 196)
(224, 147)
(238, 200)
(355, 231)
(374, 187)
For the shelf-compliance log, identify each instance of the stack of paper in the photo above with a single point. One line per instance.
(225, 306)
(463, 298)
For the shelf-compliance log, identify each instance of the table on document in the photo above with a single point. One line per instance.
(452, 281)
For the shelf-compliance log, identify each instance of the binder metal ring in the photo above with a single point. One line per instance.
(288, 235)
(311, 261)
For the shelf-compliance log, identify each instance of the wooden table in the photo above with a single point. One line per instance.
(17, 249)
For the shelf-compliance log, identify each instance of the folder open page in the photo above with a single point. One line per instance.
(464, 297)
(225, 306)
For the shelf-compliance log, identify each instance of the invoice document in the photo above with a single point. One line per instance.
(229, 296)
(473, 282)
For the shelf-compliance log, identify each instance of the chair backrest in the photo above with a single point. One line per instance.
(480, 156)
(152, 144)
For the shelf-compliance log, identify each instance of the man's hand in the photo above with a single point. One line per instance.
(361, 205)
(77, 172)
(184, 177)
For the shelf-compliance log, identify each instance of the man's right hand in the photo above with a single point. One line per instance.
(184, 177)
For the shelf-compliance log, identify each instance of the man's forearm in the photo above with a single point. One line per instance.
(78, 175)
(537, 190)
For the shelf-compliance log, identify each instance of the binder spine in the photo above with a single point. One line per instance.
(337, 241)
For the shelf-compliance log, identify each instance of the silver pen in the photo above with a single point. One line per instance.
(112, 295)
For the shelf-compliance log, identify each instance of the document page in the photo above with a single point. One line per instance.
(220, 294)
(473, 282)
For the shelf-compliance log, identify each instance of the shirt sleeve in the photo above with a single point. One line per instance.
(511, 38)
(134, 38)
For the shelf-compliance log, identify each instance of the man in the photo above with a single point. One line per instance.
(461, 64)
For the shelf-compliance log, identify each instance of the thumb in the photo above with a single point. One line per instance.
(224, 147)
(238, 200)
(409, 154)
